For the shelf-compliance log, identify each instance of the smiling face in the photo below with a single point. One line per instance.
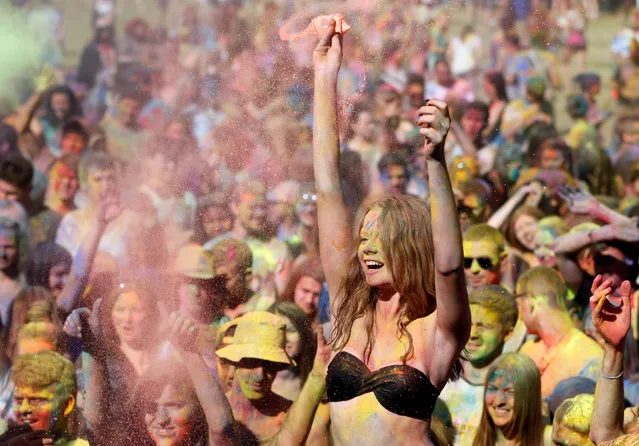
(251, 213)
(128, 316)
(370, 251)
(500, 398)
(170, 421)
(65, 183)
(255, 377)
(487, 336)
(40, 408)
(526, 232)
(481, 263)
(307, 295)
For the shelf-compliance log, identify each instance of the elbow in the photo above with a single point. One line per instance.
(600, 435)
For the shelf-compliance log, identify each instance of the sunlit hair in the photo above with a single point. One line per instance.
(510, 236)
(543, 281)
(498, 300)
(31, 304)
(575, 414)
(297, 316)
(309, 267)
(43, 330)
(526, 427)
(149, 388)
(407, 244)
(555, 224)
(149, 308)
(44, 369)
(482, 232)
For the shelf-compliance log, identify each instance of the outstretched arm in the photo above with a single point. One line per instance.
(109, 210)
(332, 214)
(216, 407)
(299, 418)
(453, 318)
(613, 323)
(501, 215)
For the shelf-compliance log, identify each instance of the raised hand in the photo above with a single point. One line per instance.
(610, 315)
(327, 57)
(323, 353)
(109, 208)
(434, 123)
(183, 332)
(579, 201)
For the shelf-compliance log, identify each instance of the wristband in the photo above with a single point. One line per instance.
(613, 378)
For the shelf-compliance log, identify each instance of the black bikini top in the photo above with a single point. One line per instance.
(400, 389)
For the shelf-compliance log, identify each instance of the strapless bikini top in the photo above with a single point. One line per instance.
(400, 389)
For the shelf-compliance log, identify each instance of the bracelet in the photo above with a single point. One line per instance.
(612, 378)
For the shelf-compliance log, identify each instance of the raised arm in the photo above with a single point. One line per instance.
(574, 241)
(501, 215)
(109, 210)
(453, 318)
(582, 202)
(217, 410)
(332, 215)
(299, 418)
(613, 323)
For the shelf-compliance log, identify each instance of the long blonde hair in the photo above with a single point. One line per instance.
(526, 427)
(407, 245)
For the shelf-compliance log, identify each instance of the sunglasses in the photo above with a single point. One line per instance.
(484, 262)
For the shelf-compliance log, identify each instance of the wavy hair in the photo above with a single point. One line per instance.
(526, 427)
(407, 245)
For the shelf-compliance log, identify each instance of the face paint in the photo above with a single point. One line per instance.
(486, 336)
(563, 436)
(255, 377)
(37, 407)
(370, 252)
(500, 398)
(171, 421)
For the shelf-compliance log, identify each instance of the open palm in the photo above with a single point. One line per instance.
(610, 316)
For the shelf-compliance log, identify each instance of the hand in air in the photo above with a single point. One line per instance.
(434, 123)
(610, 316)
(109, 208)
(327, 57)
(183, 332)
(323, 353)
(579, 201)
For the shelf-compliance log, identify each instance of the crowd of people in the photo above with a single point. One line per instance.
(225, 232)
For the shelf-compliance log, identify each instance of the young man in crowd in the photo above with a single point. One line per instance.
(257, 352)
(16, 176)
(44, 396)
(561, 350)
(232, 260)
(271, 256)
(484, 254)
(394, 173)
(98, 182)
(494, 314)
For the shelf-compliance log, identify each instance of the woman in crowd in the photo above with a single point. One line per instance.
(385, 326)
(512, 404)
(495, 88)
(48, 266)
(300, 347)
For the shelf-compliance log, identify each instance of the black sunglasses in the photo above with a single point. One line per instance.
(484, 262)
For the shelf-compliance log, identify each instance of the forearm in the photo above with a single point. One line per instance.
(299, 419)
(25, 115)
(501, 215)
(326, 154)
(96, 392)
(81, 269)
(607, 416)
(216, 407)
(463, 139)
(605, 214)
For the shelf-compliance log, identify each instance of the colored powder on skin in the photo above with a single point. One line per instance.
(21, 51)
(316, 27)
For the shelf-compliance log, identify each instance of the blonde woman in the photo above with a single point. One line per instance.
(395, 352)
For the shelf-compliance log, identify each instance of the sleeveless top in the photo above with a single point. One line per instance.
(401, 389)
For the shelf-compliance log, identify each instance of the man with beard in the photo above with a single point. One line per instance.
(494, 313)
(271, 256)
(44, 396)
